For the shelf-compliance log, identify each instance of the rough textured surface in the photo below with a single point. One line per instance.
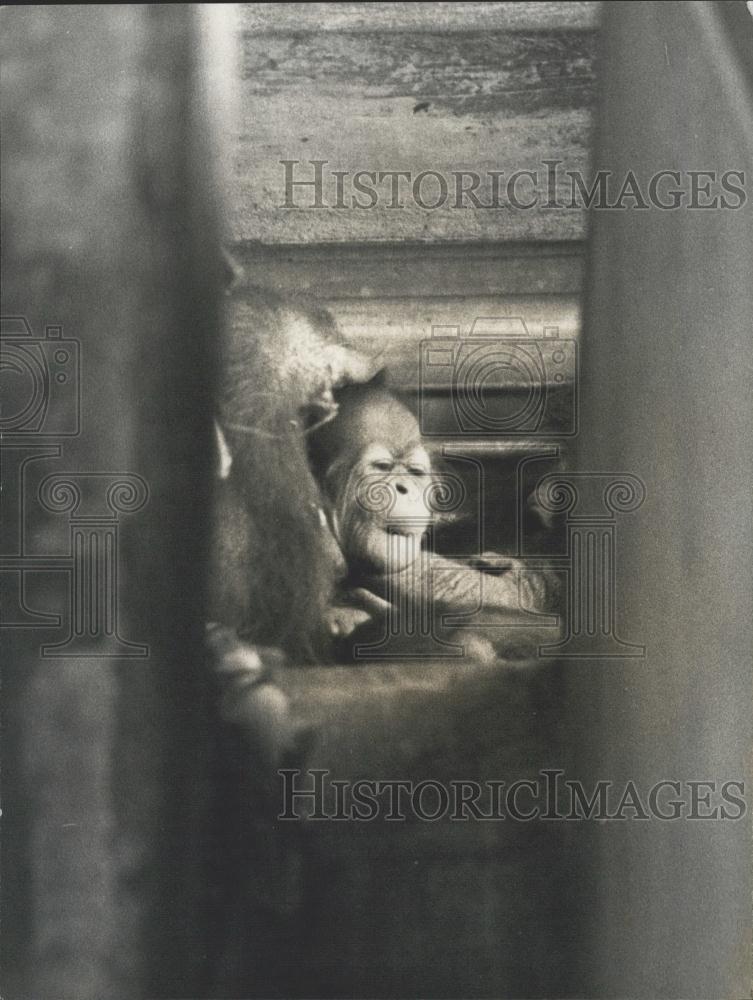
(419, 16)
(359, 271)
(485, 88)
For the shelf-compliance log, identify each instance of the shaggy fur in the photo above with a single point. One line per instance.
(274, 566)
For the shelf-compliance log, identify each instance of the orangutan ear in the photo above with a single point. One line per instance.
(354, 389)
(324, 407)
(379, 381)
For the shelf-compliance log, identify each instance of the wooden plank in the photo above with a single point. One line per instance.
(482, 100)
(495, 448)
(361, 17)
(405, 333)
(405, 322)
(383, 271)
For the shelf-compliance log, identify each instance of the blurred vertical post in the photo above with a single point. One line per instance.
(111, 230)
(666, 396)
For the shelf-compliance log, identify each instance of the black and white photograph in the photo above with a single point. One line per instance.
(376, 563)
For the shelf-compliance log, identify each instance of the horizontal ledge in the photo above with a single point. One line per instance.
(369, 271)
(412, 248)
(496, 447)
(435, 18)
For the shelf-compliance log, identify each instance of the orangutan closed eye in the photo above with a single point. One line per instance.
(374, 472)
(377, 480)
